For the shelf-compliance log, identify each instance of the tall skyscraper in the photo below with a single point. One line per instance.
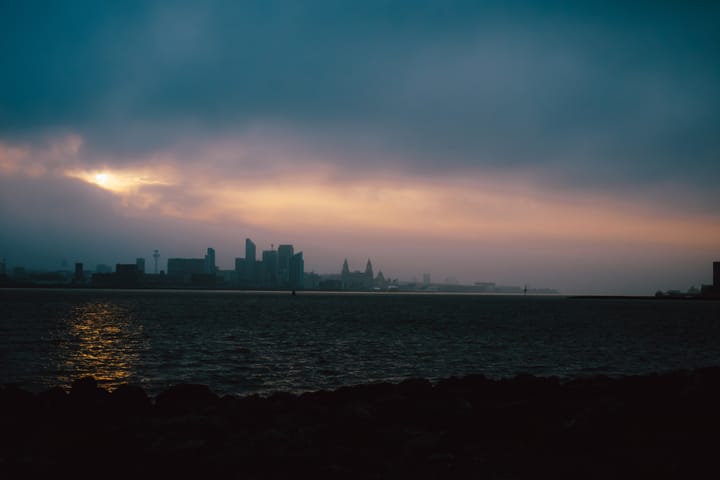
(285, 255)
(269, 269)
(250, 251)
(297, 271)
(716, 275)
(210, 261)
(250, 275)
(140, 262)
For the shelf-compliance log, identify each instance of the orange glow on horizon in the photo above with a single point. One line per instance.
(415, 206)
(229, 188)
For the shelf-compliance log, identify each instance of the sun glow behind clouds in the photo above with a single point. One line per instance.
(101, 178)
(480, 206)
(118, 181)
(288, 191)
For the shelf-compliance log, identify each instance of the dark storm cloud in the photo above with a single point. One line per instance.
(595, 94)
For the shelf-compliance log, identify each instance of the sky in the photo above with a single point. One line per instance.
(567, 145)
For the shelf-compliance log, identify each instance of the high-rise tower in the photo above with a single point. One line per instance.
(297, 271)
(285, 255)
(156, 257)
(210, 261)
(250, 274)
(270, 269)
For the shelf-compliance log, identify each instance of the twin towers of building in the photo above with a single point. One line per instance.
(358, 280)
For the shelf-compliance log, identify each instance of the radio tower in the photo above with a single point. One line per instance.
(156, 256)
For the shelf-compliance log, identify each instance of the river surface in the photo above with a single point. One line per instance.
(249, 342)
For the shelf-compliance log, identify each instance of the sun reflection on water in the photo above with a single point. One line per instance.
(105, 343)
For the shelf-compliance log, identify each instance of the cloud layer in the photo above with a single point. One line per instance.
(376, 124)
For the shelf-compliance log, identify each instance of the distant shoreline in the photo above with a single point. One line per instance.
(266, 290)
(644, 297)
(383, 292)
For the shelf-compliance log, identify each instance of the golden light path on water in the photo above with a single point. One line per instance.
(105, 345)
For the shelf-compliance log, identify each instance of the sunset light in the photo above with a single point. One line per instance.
(127, 182)
(493, 147)
(371, 239)
(101, 179)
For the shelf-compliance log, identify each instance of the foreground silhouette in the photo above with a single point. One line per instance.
(657, 426)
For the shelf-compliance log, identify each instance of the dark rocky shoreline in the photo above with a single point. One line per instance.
(655, 426)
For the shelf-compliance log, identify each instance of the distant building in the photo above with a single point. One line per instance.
(79, 273)
(182, 270)
(210, 261)
(250, 250)
(185, 266)
(140, 262)
(330, 284)
(714, 289)
(240, 271)
(312, 280)
(345, 272)
(285, 254)
(380, 281)
(426, 278)
(226, 277)
(297, 271)
(126, 274)
(369, 273)
(357, 280)
(250, 276)
(269, 277)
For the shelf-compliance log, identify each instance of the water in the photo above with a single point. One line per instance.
(243, 343)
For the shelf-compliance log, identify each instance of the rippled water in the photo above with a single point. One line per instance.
(238, 342)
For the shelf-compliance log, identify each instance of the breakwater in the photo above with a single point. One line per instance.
(649, 426)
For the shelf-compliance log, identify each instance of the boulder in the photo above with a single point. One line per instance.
(130, 400)
(186, 398)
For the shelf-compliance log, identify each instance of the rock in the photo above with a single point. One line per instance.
(54, 400)
(87, 397)
(130, 400)
(14, 401)
(186, 398)
(635, 427)
(415, 386)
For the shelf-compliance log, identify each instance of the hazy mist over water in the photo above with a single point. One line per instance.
(242, 343)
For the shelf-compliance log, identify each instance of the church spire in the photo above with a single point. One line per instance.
(369, 269)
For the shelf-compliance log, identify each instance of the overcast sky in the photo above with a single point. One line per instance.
(552, 144)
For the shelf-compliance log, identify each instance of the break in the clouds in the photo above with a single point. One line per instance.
(592, 128)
